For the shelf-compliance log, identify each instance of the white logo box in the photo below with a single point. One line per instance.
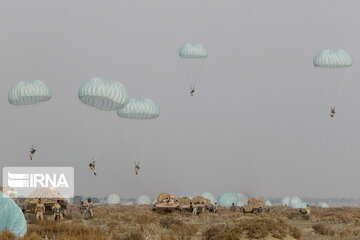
(38, 182)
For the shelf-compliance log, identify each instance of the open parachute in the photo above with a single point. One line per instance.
(103, 94)
(29, 92)
(333, 81)
(139, 108)
(193, 56)
(138, 115)
(11, 217)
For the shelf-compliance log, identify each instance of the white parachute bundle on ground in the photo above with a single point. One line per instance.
(143, 200)
(209, 196)
(139, 108)
(227, 199)
(243, 199)
(293, 202)
(103, 94)
(268, 203)
(113, 199)
(285, 201)
(323, 205)
(11, 217)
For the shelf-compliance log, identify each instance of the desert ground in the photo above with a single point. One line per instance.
(140, 223)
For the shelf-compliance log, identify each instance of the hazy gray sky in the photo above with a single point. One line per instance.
(258, 123)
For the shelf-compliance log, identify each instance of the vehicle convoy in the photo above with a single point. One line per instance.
(167, 203)
(254, 205)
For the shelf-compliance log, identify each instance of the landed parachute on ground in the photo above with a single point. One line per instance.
(227, 199)
(11, 217)
(193, 56)
(323, 205)
(143, 200)
(29, 92)
(268, 203)
(113, 199)
(243, 200)
(139, 108)
(103, 94)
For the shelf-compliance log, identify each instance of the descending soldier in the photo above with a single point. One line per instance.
(32, 152)
(89, 206)
(332, 111)
(39, 210)
(92, 166)
(192, 91)
(57, 211)
(233, 208)
(137, 167)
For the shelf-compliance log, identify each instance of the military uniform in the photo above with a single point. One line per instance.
(40, 209)
(194, 210)
(89, 206)
(57, 211)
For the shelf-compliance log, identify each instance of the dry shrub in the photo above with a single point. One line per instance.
(133, 236)
(7, 235)
(147, 219)
(253, 228)
(323, 230)
(184, 231)
(295, 232)
(167, 221)
(64, 230)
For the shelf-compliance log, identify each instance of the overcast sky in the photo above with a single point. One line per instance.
(258, 122)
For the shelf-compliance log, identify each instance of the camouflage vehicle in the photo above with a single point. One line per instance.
(166, 203)
(202, 204)
(254, 205)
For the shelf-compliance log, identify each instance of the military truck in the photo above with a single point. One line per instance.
(254, 205)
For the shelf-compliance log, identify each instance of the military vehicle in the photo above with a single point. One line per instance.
(254, 205)
(168, 203)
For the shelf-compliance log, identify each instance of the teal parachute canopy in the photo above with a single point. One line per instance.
(209, 196)
(333, 58)
(193, 50)
(113, 199)
(29, 92)
(323, 205)
(11, 217)
(139, 108)
(103, 94)
(227, 199)
(143, 200)
(268, 203)
(285, 201)
(243, 199)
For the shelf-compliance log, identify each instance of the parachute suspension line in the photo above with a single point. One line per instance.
(193, 69)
